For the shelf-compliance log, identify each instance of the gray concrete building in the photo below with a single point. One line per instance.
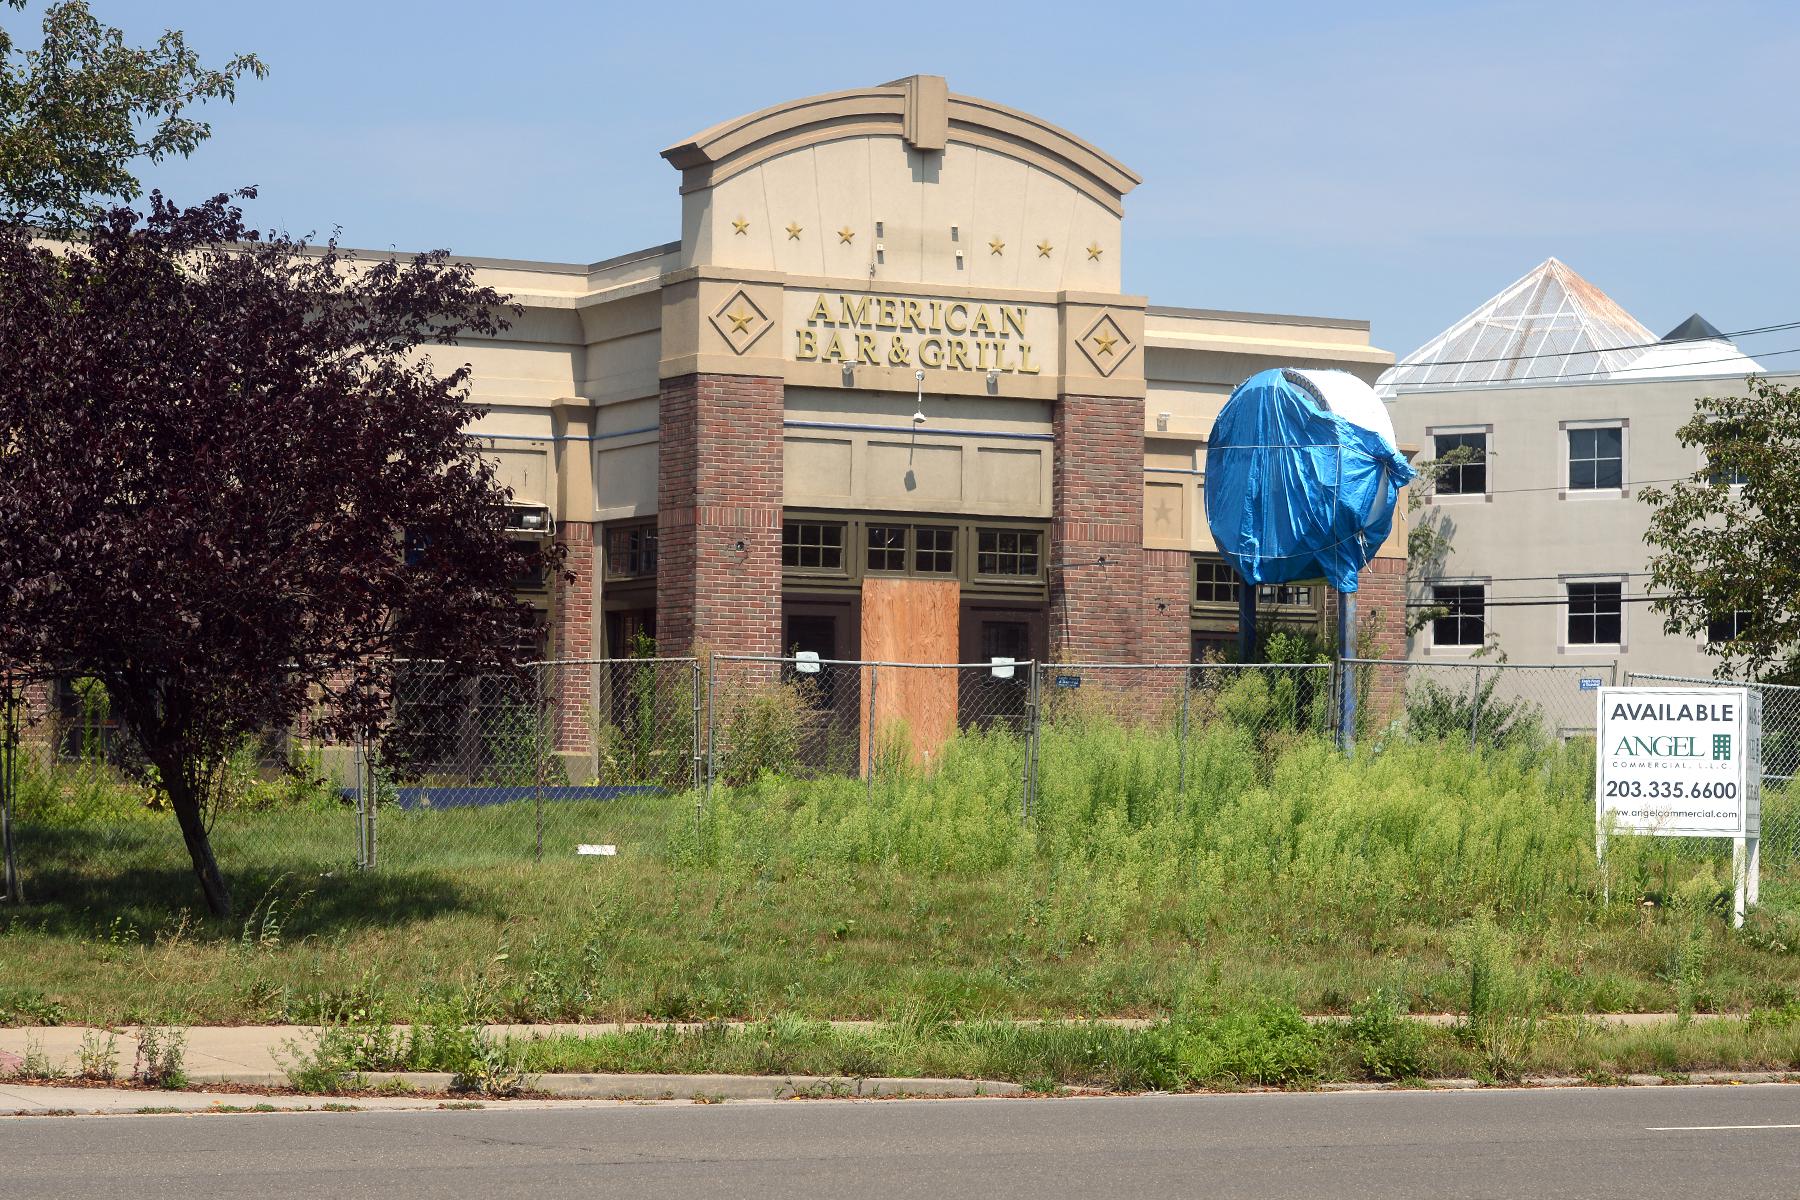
(1566, 409)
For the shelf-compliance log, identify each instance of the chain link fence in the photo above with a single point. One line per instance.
(1780, 760)
(571, 758)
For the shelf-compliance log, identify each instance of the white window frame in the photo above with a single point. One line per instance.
(1485, 496)
(1486, 584)
(1623, 491)
(1705, 469)
(1563, 644)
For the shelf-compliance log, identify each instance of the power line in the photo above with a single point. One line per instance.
(1400, 388)
(1471, 362)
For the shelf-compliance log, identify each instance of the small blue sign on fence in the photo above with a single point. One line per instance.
(1068, 681)
(1590, 683)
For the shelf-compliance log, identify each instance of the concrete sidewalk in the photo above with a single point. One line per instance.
(259, 1054)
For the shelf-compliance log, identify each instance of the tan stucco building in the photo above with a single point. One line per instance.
(890, 343)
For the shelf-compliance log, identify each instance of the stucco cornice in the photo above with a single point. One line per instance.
(918, 109)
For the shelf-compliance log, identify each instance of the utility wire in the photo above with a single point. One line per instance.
(1471, 362)
(1402, 389)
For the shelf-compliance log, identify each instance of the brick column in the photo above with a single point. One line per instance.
(1096, 609)
(719, 488)
(570, 689)
(1168, 586)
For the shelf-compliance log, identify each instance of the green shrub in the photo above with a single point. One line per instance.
(1388, 1044)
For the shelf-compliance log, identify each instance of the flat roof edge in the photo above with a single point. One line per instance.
(1225, 314)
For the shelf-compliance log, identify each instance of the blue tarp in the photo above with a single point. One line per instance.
(1294, 491)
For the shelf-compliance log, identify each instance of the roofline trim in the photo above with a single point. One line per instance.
(729, 148)
(1225, 314)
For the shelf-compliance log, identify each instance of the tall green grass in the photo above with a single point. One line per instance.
(1254, 865)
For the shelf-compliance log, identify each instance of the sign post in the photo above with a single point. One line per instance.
(1683, 762)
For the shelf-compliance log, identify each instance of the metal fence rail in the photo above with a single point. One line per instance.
(576, 756)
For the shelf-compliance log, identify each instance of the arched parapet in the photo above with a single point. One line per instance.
(919, 110)
(905, 183)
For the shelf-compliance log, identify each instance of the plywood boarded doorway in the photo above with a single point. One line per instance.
(911, 621)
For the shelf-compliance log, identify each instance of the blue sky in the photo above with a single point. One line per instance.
(1395, 162)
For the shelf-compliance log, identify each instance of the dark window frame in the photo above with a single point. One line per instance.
(1464, 478)
(1589, 468)
(1595, 608)
(1027, 547)
(638, 558)
(1465, 621)
(949, 554)
(1728, 628)
(799, 545)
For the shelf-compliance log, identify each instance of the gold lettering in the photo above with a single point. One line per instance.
(854, 314)
(898, 353)
(1025, 367)
(809, 344)
(935, 348)
(1014, 315)
(834, 350)
(1000, 360)
(983, 322)
(910, 318)
(890, 310)
(865, 348)
(959, 354)
(819, 312)
(937, 316)
(951, 312)
(982, 349)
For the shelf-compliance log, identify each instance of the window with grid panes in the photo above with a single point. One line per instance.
(1285, 594)
(1596, 614)
(1465, 614)
(1468, 477)
(1214, 582)
(631, 551)
(1011, 552)
(814, 545)
(1596, 459)
(887, 548)
(934, 551)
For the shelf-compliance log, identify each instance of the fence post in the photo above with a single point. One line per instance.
(869, 766)
(1034, 705)
(712, 744)
(1475, 713)
(542, 723)
(9, 775)
(694, 691)
(1181, 770)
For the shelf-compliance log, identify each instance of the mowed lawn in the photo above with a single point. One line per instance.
(1275, 871)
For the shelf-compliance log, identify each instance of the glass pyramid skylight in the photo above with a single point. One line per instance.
(1550, 325)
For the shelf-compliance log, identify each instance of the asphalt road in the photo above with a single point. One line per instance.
(1626, 1142)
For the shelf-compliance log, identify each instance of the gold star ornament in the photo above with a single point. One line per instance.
(846, 235)
(740, 320)
(741, 225)
(1094, 252)
(996, 246)
(1104, 343)
(1044, 248)
(794, 231)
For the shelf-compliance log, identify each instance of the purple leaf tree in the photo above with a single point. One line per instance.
(237, 482)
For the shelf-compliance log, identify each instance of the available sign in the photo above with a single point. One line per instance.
(1680, 762)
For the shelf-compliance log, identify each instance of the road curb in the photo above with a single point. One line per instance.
(662, 1087)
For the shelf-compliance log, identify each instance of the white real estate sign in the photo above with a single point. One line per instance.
(1682, 762)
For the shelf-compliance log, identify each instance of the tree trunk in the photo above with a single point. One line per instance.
(193, 831)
